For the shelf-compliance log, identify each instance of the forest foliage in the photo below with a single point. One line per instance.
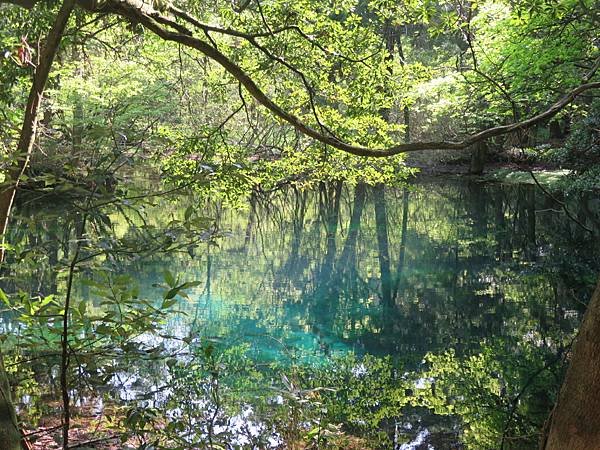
(142, 141)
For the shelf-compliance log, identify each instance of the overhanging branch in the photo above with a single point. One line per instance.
(161, 25)
(187, 39)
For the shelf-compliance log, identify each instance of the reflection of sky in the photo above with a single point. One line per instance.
(416, 442)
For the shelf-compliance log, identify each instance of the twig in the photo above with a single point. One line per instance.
(561, 203)
(93, 441)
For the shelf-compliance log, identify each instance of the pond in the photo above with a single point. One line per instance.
(471, 292)
(387, 272)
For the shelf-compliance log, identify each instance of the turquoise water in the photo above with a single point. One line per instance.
(304, 277)
(387, 272)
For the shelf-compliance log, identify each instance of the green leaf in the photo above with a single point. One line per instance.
(190, 284)
(4, 298)
(169, 279)
(172, 293)
(168, 303)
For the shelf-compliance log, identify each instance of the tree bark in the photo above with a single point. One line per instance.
(478, 157)
(575, 422)
(10, 436)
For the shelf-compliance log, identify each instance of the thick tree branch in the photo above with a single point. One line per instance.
(239, 74)
(156, 22)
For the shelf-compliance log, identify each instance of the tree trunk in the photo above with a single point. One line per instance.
(478, 157)
(10, 437)
(555, 130)
(391, 36)
(575, 422)
(406, 109)
(78, 114)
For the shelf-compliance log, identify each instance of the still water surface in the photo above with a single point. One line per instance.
(443, 266)
(446, 265)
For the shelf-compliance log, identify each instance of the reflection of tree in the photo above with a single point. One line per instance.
(461, 262)
(383, 244)
(348, 257)
(465, 265)
(251, 220)
(44, 245)
(402, 251)
(329, 207)
(294, 263)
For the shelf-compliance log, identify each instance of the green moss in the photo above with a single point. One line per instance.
(549, 178)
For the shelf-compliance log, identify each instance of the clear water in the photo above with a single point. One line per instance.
(304, 276)
(386, 272)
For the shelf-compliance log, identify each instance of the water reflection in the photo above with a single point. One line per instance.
(307, 275)
(399, 272)
(370, 269)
